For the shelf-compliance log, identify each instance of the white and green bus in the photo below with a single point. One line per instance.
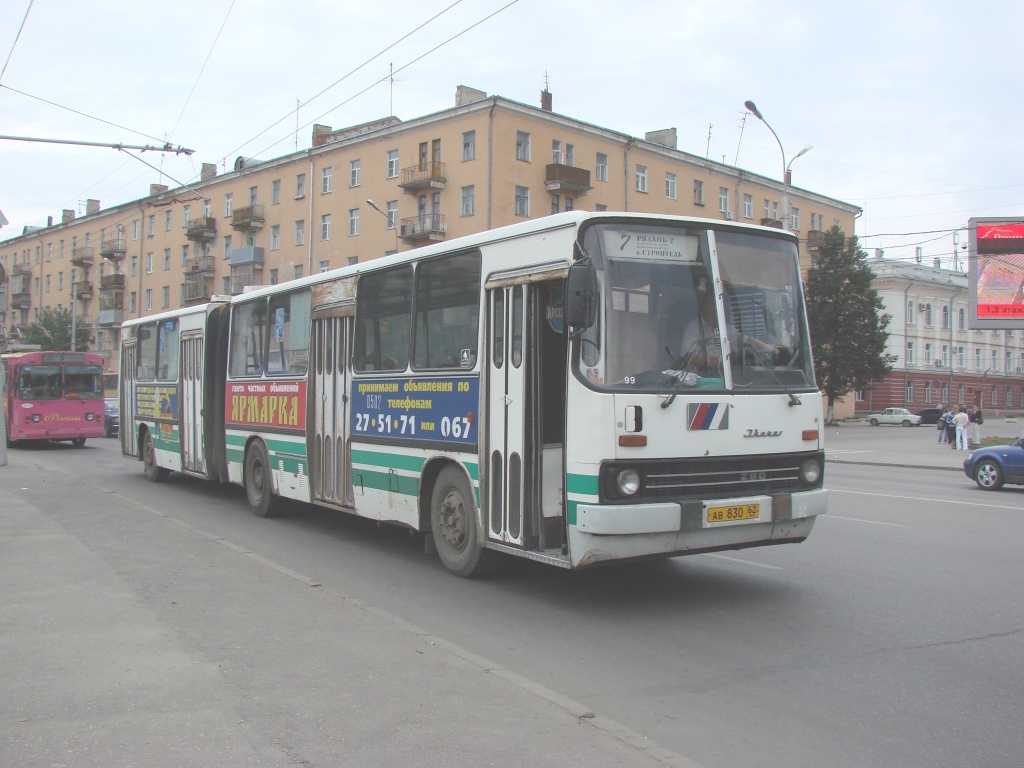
(580, 389)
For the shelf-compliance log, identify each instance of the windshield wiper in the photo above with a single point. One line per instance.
(683, 377)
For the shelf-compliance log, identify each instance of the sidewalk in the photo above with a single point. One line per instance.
(857, 442)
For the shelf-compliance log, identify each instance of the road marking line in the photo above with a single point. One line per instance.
(744, 562)
(859, 520)
(922, 498)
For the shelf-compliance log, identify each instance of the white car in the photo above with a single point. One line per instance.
(895, 416)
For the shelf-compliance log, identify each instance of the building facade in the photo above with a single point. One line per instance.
(365, 191)
(939, 359)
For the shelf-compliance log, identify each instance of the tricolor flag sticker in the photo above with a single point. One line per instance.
(707, 416)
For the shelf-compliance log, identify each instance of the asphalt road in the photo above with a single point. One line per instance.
(893, 636)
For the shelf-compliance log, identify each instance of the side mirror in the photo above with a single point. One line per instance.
(581, 296)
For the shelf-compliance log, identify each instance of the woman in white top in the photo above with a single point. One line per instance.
(961, 420)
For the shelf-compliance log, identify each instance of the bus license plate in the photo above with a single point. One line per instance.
(733, 513)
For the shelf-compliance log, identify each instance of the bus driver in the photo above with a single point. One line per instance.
(702, 347)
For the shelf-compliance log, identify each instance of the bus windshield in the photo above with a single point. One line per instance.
(691, 307)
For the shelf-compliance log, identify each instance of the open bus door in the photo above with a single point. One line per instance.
(526, 416)
(126, 433)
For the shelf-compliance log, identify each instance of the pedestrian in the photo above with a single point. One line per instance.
(951, 427)
(961, 420)
(977, 419)
(940, 424)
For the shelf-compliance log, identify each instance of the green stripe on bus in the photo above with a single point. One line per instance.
(387, 481)
(388, 460)
(584, 485)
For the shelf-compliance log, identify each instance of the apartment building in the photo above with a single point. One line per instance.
(368, 190)
(939, 359)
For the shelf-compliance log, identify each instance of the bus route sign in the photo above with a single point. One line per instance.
(443, 409)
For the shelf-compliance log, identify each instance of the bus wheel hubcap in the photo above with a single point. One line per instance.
(453, 520)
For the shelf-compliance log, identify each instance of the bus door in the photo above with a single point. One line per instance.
(190, 415)
(328, 404)
(129, 372)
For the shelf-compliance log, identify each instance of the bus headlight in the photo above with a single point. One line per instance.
(628, 482)
(90, 417)
(36, 418)
(810, 471)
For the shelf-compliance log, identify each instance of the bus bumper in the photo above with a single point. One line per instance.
(615, 532)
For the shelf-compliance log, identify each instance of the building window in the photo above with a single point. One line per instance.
(794, 219)
(275, 237)
(468, 195)
(945, 356)
(945, 317)
(325, 227)
(184, 255)
(927, 354)
(167, 221)
(325, 266)
(601, 172)
(748, 206)
(556, 202)
(641, 178)
(149, 263)
(297, 272)
(300, 185)
(522, 201)
(353, 222)
(325, 181)
(392, 168)
(469, 146)
(273, 277)
(670, 186)
(910, 391)
(570, 154)
(391, 211)
(698, 192)
(910, 353)
(227, 246)
(522, 146)
(960, 358)
(723, 199)
(354, 172)
(149, 299)
(135, 236)
(910, 313)
(150, 227)
(928, 315)
(167, 259)
(253, 192)
(300, 232)
(977, 359)
(165, 299)
(275, 192)
(229, 204)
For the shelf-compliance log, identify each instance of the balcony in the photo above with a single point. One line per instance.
(21, 269)
(815, 240)
(108, 282)
(22, 300)
(110, 317)
(250, 217)
(429, 226)
(113, 249)
(202, 229)
(423, 176)
(198, 286)
(567, 179)
(248, 255)
(82, 256)
(84, 289)
(202, 264)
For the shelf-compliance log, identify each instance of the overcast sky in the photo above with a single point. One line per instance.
(911, 107)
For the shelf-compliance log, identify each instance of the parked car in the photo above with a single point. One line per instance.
(111, 417)
(991, 467)
(930, 415)
(895, 416)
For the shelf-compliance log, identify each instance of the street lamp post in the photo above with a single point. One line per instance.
(786, 223)
(391, 224)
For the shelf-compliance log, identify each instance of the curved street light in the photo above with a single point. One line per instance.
(752, 108)
(391, 224)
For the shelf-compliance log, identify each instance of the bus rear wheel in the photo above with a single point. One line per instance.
(259, 484)
(154, 473)
(454, 526)
(78, 442)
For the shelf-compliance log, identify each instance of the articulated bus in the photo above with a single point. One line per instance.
(53, 396)
(581, 389)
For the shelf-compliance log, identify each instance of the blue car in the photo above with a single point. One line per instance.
(991, 467)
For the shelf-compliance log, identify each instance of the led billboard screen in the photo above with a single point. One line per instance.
(996, 273)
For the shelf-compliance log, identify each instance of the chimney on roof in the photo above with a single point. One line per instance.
(207, 171)
(320, 134)
(465, 95)
(665, 137)
(67, 216)
(156, 189)
(545, 100)
(91, 207)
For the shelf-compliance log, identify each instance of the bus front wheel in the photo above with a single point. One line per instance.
(454, 526)
(154, 473)
(259, 484)
(78, 442)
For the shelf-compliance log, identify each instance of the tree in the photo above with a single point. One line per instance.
(52, 331)
(848, 329)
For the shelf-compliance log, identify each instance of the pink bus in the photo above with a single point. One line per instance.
(53, 396)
